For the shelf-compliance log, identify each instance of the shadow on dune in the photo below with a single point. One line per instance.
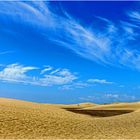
(99, 113)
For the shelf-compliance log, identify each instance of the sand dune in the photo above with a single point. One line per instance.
(75, 106)
(20, 119)
(117, 106)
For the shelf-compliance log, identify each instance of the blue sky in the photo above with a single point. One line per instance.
(70, 52)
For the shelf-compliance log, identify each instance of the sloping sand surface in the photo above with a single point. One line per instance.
(20, 119)
(75, 106)
(117, 106)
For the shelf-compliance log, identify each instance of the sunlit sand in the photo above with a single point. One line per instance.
(21, 119)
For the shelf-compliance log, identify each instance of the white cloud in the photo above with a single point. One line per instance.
(18, 74)
(109, 98)
(112, 96)
(15, 73)
(120, 97)
(47, 68)
(61, 77)
(84, 84)
(135, 16)
(55, 71)
(64, 78)
(99, 81)
(75, 85)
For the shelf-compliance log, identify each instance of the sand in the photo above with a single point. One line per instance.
(27, 120)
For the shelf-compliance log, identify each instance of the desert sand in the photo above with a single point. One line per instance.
(21, 119)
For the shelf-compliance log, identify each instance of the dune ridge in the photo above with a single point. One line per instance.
(21, 119)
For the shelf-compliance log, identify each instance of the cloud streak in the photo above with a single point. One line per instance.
(110, 46)
(5, 52)
(17, 73)
(48, 68)
(109, 98)
(49, 76)
(99, 81)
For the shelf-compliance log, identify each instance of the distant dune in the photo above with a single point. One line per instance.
(21, 119)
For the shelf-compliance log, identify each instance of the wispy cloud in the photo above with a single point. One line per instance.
(47, 68)
(109, 98)
(99, 81)
(135, 16)
(17, 73)
(62, 77)
(5, 52)
(108, 47)
(49, 76)
(74, 85)
(86, 83)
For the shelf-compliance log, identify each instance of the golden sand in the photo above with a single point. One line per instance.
(27, 120)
